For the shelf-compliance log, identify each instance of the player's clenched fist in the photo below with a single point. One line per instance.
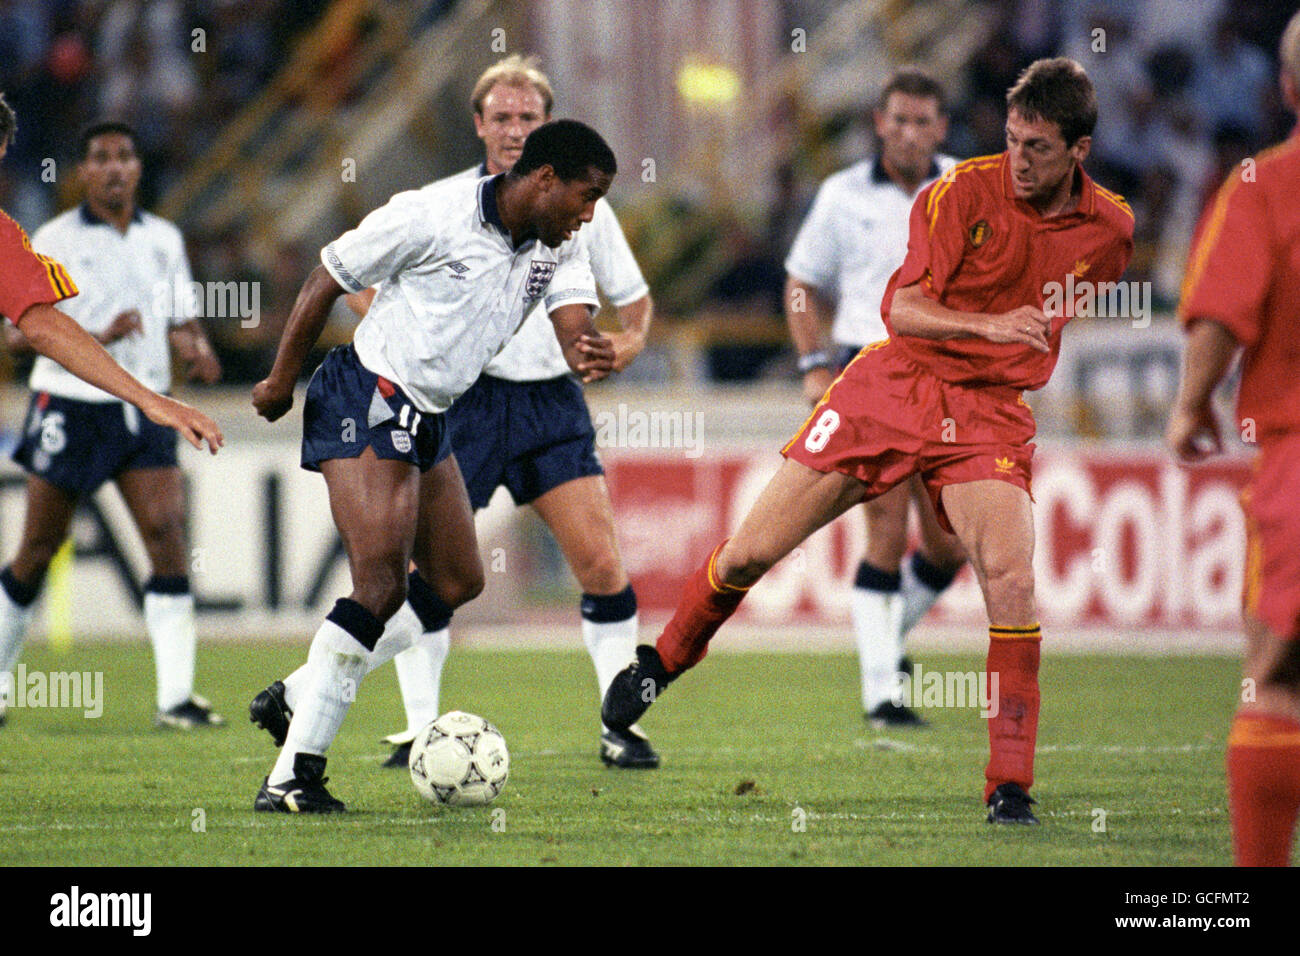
(597, 357)
(272, 399)
(1193, 433)
(1025, 324)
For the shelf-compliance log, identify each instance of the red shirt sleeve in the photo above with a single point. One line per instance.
(29, 279)
(1228, 270)
(936, 237)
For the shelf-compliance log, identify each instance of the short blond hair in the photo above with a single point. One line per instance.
(514, 70)
(1289, 49)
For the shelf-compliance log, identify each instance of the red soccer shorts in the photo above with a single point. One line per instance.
(885, 419)
(1271, 589)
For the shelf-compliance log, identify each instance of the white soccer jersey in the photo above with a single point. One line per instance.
(534, 353)
(451, 290)
(853, 239)
(141, 269)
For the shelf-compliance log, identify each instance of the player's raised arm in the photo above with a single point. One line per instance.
(273, 396)
(57, 336)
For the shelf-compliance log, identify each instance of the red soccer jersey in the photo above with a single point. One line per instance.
(1243, 272)
(29, 278)
(975, 247)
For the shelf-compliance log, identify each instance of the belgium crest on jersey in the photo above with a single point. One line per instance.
(979, 232)
(539, 277)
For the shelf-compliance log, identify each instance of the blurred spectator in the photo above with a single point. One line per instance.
(1233, 81)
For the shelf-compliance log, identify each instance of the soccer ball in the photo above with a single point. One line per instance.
(459, 760)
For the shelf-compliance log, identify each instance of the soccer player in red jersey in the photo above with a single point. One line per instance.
(1240, 292)
(29, 287)
(991, 245)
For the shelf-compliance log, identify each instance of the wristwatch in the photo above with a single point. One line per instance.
(812, 360)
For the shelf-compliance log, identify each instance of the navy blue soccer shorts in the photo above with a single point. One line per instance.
(529, 436)
(77, 446)
(349, 409)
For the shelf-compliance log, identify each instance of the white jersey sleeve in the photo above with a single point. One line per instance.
(388, 240)
(617, 274)
(573, 281)
(815, 255)
(184, 306)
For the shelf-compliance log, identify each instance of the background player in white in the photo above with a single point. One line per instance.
(853, 239)
(457, 268)
(129, 265)
(525, 424)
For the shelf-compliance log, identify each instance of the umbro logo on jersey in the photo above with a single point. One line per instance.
(459, 268)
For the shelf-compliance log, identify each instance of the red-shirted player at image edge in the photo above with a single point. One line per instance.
(980, 260)
(1240, 292)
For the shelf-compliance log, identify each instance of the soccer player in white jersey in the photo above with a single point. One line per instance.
(524, 424)
(457, 268)
(853, 239)
(129, 264)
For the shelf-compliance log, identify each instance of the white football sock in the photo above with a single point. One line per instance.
(918, 598)
(612, 647)
(169, 619)
(335, 665)
(399, 634)
(876, 618)
(14, 621)
(419, 674)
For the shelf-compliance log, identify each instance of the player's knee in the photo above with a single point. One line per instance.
(458, 586)
(381, 589)
(600, 573)
(164, 535)
(1010, 587)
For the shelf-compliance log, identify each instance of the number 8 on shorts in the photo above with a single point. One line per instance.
(821, 432)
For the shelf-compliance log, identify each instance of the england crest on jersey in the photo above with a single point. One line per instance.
(539, 277)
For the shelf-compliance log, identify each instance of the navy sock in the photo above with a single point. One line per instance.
(931, 575)
(21, 594)
(871, 578)
(434, 613)
(168, 584)
(357, 621)
(609, 608)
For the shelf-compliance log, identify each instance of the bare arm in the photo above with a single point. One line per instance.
(634, 320)
(1210, 350)
(192, 347)
(58, 336)
(359, 302)
(914, 313)
(273, 396)
(808, 313)
(589, 354)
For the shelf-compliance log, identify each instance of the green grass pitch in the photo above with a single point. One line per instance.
(752, 745)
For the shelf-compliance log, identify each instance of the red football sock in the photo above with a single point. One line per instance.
(1013, 731)
(1263, 787)
(706, 603)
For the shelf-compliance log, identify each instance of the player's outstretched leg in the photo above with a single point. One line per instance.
(995, 522)
(794, 504)
(374, 503)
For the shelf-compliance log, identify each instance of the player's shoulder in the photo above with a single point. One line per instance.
(11, 234)
(162, 227)
(1278, 167)
(849, 181)
(1114, 210)
(979, 175)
